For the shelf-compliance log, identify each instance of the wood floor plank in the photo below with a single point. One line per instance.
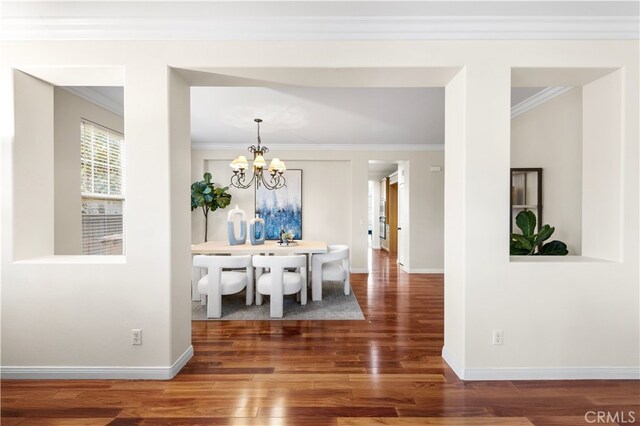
(189, 408)
(320, 411)
(385, 370)
(94, 412)
(64, 422)
(453, 421)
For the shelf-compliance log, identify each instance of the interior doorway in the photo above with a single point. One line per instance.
(388, 208)
(403, 219)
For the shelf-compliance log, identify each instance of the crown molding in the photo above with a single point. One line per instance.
(539, 98)
(283, 28)
(94, 97)
(327, 147)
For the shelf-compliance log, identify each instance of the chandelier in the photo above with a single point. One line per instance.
(274, 179)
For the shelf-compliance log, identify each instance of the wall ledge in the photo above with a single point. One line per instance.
(72, 372)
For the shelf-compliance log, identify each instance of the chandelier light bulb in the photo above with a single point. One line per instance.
(242, 162)
(259, 161)
(234, 164)
(239, 163)
(276, 165)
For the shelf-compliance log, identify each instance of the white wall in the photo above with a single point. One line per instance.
(455, 211)
(335, 189)
(604, 154)
(33, 225)
(557, 314)
(426, 215)
(550, 136)
(325, 202)
(180, 206)
(69, 110)
(78, 311)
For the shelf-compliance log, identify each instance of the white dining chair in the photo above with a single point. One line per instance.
(330, 266)
(277, 282)
(218, 283)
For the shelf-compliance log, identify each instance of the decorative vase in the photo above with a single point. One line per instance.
(231, 232)
(256, 230)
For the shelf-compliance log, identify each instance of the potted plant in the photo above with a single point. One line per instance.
(287, 237)
(208, 198)
(530, 244)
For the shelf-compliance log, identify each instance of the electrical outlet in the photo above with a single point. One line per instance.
(136, 336)
(498, 337)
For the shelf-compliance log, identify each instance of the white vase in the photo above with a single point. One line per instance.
(256, 230)
(232, 216)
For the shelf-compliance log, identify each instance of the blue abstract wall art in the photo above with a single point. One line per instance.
(282, 208)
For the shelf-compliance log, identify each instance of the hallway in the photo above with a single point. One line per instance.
(321, 373)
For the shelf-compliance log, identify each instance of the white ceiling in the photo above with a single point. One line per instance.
(381, 169)
(113, 93)
(404, 117)
(521, 94)
(318, 116)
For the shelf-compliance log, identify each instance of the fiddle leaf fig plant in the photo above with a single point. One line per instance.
(206, 196)
(531, 244)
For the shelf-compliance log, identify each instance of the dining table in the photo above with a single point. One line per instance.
(270, 247)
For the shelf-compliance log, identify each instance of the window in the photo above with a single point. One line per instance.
(102, 189)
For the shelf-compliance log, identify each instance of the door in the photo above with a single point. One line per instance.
(402, 221)
(393, 218)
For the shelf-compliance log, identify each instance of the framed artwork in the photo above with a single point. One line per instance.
(282, 208)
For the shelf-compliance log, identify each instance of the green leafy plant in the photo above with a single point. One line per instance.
(209, 198)
(528, 243)
(288, 236)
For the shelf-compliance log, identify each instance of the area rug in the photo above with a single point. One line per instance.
(334, 306)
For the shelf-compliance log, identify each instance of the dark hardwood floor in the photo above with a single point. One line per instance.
(385, 370)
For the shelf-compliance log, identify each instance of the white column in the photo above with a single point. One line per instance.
(476, 206)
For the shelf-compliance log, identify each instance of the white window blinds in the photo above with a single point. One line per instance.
(102, 189)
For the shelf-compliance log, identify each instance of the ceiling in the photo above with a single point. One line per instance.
(521, 94)
(313, 117)
(318, 116)
(381, 169)
(115, 94)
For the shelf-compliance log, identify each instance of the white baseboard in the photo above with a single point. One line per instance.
(541, 373)
(566, 373)
(407, 270)
(422, 270)
(451, 361)
(127, 373)
(181, 362)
